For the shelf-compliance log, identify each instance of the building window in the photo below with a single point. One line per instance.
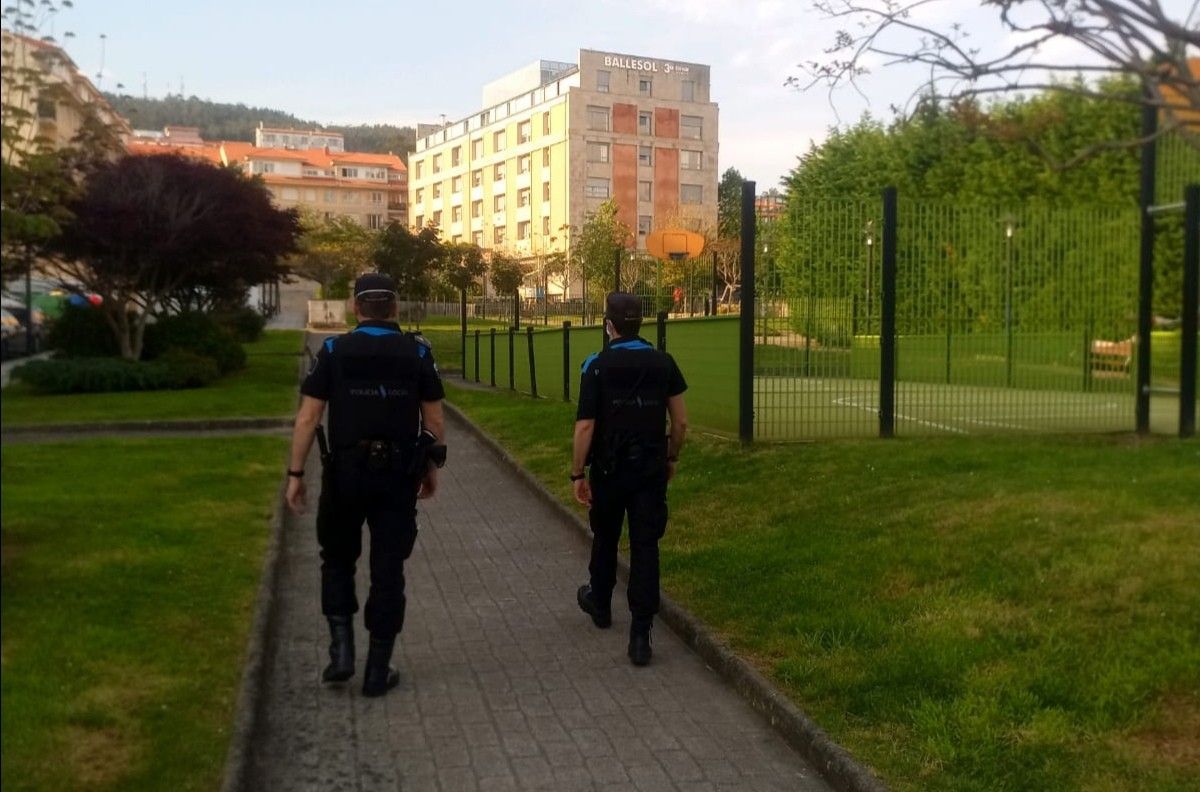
(545, 226)
(523, 229)
(418, 168)
(456, 156)
(690, 160)
(498, 203)
(331, 196)
(524, 132)
(644, 86)
(545, 191)
(596, 188)
(476, 208)
(420, 195)
(643, 225)
(597, 152)
(546, 123)
(352, 173)
(687, 91)
(456, 239)
(456, 214)
(498, 141)
(437, 190)
(456, 184)
(691, 127)
(374, 221)
(437, 218)
(498, 172)
(477, 238)
(645, 123)
(290, 194)
(349, 197)
(644, 193)
(437, 163)
(476, 148)
(477, 178)
(645, 155)
(691, 194)
(545, 158)
(597, 118)
(523, 197)
(376, 197)
(602, 81)
(523, 164)
(498, 235)
(310, 196)
(263, 167)
(420, 221)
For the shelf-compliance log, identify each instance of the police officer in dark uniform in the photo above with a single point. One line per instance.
(385, 445)
(627, 393)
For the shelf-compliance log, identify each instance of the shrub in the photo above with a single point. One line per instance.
(186, 369)
(245, 323)
(92, 375)
(81, 331)
(198, 333)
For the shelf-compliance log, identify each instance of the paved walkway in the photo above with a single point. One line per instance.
(505, 683)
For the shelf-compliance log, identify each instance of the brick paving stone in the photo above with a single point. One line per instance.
(505, 684)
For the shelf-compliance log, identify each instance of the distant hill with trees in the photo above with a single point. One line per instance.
(226, 121)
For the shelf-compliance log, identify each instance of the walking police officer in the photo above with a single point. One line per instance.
(627, 392)
(385, 431)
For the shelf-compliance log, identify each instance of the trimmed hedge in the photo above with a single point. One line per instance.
(100, 375)
(245, 323)
(197, 333)
(81, 331)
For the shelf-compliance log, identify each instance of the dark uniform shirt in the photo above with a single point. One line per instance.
(625, 390)
(374, 378)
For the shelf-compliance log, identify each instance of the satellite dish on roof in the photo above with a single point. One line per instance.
(675, 244)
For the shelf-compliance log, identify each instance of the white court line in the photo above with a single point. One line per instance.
(844, 402)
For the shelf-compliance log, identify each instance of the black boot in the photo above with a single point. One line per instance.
(639, 642)
(378, 676)
(341, 650)
(601, 617)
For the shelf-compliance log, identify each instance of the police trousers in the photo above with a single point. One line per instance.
(644, 499)
(387, 501)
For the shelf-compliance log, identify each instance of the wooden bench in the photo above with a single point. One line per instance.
(1112, 357)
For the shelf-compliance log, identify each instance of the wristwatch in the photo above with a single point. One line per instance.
(578, 477)
(296, 473)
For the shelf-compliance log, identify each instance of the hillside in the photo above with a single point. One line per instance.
(225, 121)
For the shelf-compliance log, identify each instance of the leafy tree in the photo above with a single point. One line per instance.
(506, 273)
(598, 241)
(729, 204)
(413, 259)
(1138, 39)
(146, 228)
(331, 251)
(464, 266)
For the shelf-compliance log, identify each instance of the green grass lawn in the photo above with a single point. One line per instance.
(127, 598)
(961, 613)
(266, 387)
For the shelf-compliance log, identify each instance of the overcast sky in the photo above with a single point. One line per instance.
(403, 62)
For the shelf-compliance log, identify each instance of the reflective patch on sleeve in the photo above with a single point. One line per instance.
(588, 361)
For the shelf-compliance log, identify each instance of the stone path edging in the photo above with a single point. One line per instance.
(249, 700)
(834, 762)
(135, 427)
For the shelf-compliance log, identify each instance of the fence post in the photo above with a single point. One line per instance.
(617, 270)
(517, 308)
(887, 329)
(746, 340)
(493, 361)
(1191, 296)
(1146, 267)
(662, 331)
(532, 362)
(566, 360)
(477, 356)
(512, 358)
(462, 304)
(714, 283)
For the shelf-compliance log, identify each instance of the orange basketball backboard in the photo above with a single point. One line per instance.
(675, 244)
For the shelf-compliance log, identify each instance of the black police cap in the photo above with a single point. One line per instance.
(622, 306)
(374, 287)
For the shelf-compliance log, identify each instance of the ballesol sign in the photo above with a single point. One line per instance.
(643, 64)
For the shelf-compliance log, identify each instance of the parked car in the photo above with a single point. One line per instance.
(17, 343)
(10, 329)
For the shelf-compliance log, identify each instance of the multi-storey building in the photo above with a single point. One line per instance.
(370, 188)
(41, 79)
(278, 137)
(555, 140)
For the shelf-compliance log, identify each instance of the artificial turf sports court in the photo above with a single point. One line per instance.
(803, 391)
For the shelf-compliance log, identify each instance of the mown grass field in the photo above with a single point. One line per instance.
(130, 569)
(266, 387)
(1004, 613)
